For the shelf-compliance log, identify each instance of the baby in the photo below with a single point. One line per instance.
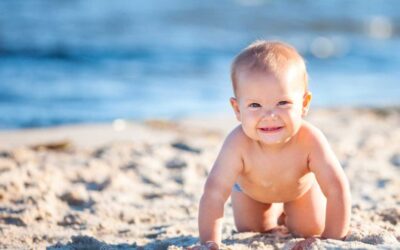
(278, 168)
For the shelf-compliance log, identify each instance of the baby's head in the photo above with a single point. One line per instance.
(271, 96)
(265, 57)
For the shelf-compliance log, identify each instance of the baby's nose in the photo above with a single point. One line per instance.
(270, 114)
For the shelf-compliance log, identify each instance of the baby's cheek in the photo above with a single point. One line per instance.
(248, 130)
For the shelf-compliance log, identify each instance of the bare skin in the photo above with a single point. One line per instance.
(304, 216)
(268, 191)
(296, 193)
(282, 163)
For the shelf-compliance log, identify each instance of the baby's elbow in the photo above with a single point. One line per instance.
(339, 190)
(213, 193)
(211, 201)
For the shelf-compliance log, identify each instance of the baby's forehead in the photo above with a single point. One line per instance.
(269, 91)
(291, 75)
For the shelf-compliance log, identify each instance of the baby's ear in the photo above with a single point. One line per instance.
(306, 103)
(235, 107)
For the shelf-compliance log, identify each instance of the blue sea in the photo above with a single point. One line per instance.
(73, 61)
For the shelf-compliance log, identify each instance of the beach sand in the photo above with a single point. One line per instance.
(136, 185)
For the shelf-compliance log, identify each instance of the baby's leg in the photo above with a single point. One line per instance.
(306, 216)
(254, 216)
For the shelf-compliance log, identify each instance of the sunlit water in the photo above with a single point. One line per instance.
(94, 61)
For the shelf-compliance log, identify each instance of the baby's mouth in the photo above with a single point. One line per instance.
(271, 129)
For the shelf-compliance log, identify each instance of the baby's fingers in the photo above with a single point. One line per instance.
(210, 245)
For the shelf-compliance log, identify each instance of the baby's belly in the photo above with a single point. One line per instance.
(277, 191)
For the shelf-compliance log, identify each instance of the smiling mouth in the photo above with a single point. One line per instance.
(271, 129)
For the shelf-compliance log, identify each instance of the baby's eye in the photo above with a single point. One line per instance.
(254, 105)
(283, 103)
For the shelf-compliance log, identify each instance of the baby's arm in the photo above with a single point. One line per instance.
(218, 187)
(334, 185)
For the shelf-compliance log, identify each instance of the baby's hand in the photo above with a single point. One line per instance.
(304, 244)
(209, 245)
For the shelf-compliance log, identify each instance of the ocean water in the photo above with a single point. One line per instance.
(96, 61)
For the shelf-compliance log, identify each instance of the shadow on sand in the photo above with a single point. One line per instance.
(89, 243)
(81, 242)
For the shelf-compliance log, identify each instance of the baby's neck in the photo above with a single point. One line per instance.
(276, 147)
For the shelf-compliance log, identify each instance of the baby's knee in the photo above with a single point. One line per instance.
(307, 229)
(256, 227)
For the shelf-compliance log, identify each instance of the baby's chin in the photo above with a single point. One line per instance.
(273, 140)
(277, 139)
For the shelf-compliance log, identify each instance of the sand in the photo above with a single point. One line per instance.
(136, 185)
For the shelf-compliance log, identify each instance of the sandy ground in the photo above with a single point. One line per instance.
(132, 185)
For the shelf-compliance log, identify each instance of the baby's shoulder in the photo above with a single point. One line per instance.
(310, 135)
(237, 137)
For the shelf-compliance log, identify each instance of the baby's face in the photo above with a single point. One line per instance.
(270, 109)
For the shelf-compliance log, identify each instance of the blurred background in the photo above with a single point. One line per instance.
(75, 61)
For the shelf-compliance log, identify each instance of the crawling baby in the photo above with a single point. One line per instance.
(277, 167)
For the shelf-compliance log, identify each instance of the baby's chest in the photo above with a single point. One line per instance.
(282, 169)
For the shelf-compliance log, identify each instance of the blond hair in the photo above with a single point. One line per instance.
(270, 57)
